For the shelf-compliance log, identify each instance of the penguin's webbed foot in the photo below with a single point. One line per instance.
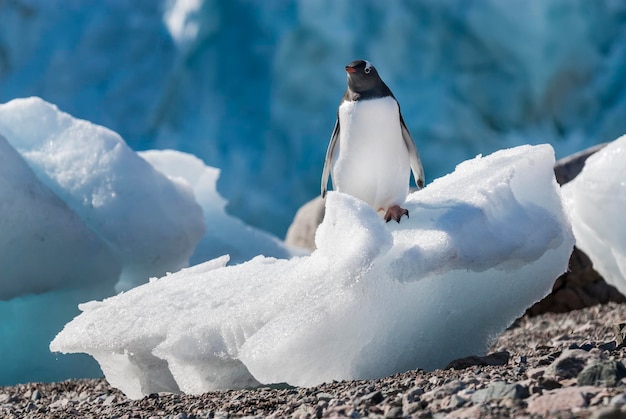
(395, 213)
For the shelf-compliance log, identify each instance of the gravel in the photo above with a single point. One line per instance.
(566, 365)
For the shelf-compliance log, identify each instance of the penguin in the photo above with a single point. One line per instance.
(371, 153)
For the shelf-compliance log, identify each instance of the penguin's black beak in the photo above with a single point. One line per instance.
(350, 69)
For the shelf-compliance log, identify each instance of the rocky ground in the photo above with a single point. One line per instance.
(566, 365)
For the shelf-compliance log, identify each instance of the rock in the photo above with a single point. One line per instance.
(620, 333)
(500, 390)
(566, 398)
(413, 395)
(374, 397)
(581, 286)
(550, 384)
(473, 412)
(444, 391)
(456, 401)
(301, 232)
(36, 395)
(324, 396)
(619, 400)
(567, 168)
(569, 364)
(604, 373)
(496, 358)
(394, 412)
(610, 412)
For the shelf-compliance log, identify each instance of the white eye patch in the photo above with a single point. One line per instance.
(368, 67)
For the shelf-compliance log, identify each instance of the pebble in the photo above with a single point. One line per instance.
(561, 399)
(569, 364)
(500, 390)
(548, 359)
(619, 400)
(604, 373)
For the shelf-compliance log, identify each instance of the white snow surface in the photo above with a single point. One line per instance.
(596, 203)
(482, 245)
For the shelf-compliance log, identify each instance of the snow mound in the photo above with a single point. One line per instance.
(596, 200)
(482, 245)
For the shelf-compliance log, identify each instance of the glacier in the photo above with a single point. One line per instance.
(253, 87)
(482, 244)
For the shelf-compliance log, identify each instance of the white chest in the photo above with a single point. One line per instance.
(371, 121)
(372, 162)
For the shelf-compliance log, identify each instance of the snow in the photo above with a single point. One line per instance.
(596, 203)
(82, 216)
(482, 244)
(232, 81)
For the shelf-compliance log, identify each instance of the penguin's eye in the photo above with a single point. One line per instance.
(367, 70)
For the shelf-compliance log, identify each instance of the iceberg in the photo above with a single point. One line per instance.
(596, 203)
(35, 221)
(116, 193)
(482, 244)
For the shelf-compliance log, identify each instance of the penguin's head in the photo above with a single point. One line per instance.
(362, 76)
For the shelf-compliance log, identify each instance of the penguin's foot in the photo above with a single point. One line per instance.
(395, 213)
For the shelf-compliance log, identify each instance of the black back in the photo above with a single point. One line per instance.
(364, 83)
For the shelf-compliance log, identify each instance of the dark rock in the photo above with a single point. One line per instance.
(604, 373)
(374, 397)
(585, 346)
(608, 346)
(581, 286)
(567, 168)
(550, 384)
(569, 364)
(494, 359)
(500, 390)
